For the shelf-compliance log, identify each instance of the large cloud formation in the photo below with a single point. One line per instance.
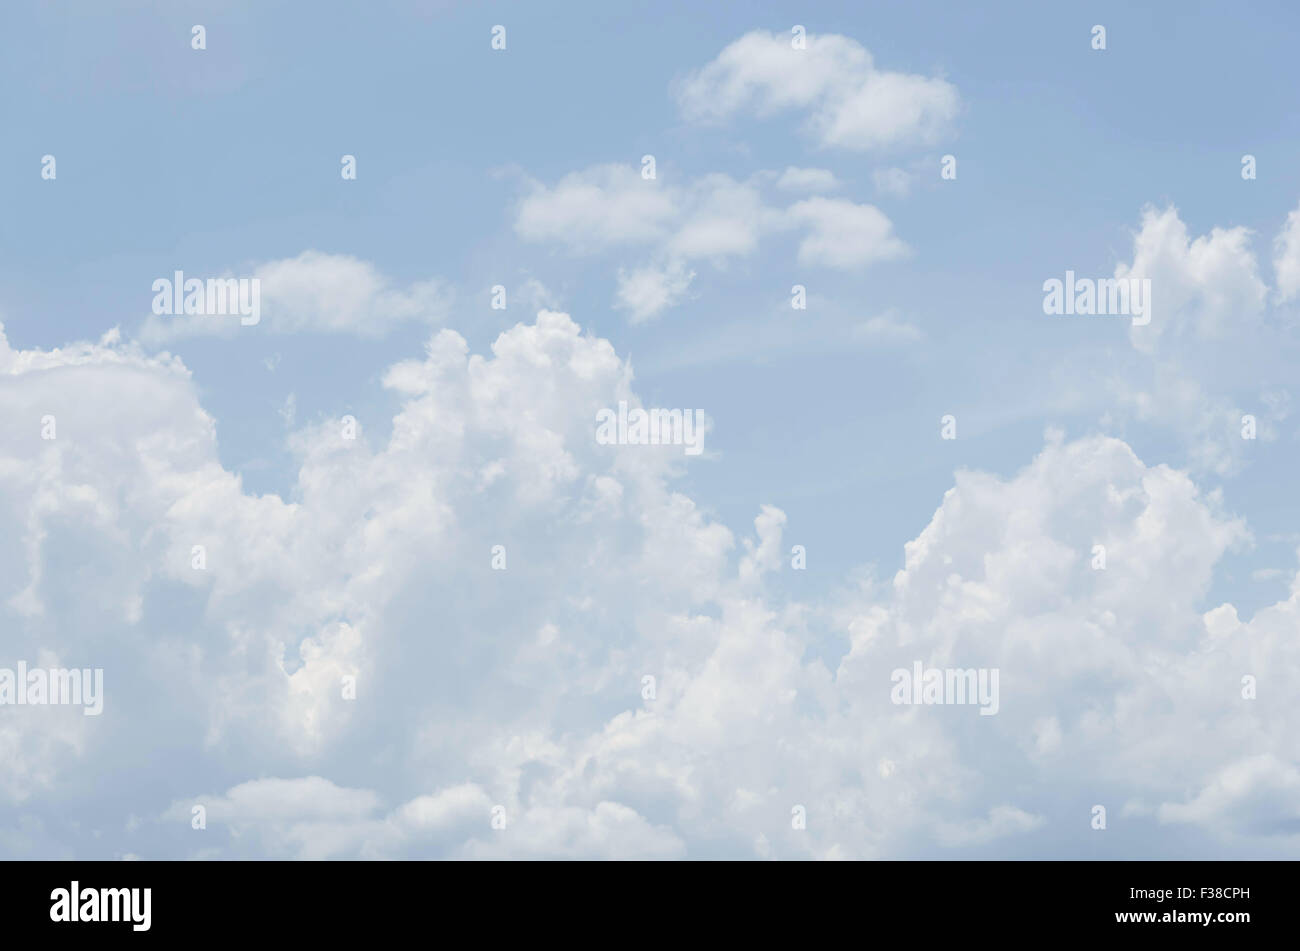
(506, 711)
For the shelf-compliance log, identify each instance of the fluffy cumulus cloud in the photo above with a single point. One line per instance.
(833, 80)
(1209, 308)
(1201, 287)
(713, 219)
(1209, 286)
(557, 652)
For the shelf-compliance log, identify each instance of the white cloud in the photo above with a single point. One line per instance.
(379, 565)
(1208, 423)
(725, 219)
(895, 182)
(1207, 317)
(713, 218)
(646, 291)
(537, 296)
(888, 328)
(1001, 821)
(852, 104)
(766, 555)
(311, 798)
(844, 235)
(807, 180)
(1255, 796)
(599, 207)
(318, 293)
(1200, 287)
(1286, 258)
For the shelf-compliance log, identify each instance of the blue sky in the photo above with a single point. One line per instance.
(225, 160)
